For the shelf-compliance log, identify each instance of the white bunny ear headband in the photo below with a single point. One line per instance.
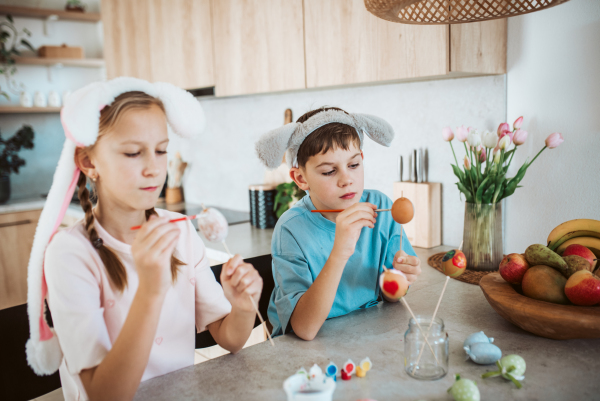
(80, 117)
(273, 145)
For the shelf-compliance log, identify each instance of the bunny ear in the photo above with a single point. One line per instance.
(271, 147)
(376, 128)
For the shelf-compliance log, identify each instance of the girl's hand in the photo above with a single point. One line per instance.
(409, 265)
(348, 226)
(239, 280)
(152, 250)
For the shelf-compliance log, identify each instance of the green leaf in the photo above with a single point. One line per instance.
(27, 44)
(489, 193)
(10, 18)
(464, 190)
(458, 172)
(482, 187)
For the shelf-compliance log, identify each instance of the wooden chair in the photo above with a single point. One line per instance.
(263, 265)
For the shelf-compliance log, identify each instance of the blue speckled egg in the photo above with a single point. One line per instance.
(478, 337)
(483, 353)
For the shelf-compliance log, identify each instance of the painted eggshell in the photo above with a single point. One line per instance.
(464, 390)
(402, 211)
(519, 365)
(213, 225)
(478, 337)
(483, 353)
(393, 283)
(454, 263)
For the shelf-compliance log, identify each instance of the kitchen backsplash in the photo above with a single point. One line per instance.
(223, 162)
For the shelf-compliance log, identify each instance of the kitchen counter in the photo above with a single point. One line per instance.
(556, 370)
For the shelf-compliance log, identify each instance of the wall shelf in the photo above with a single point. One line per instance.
(67, 62)
(29, 110)
(45, 13)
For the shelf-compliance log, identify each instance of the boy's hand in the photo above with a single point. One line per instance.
(348, 225)
(239, 280)
(409, 265)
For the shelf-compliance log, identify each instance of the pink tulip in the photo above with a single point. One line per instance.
(518, 122)
(519, 137)
(502, 128)
(554, 140)
(482, 155)
(467, 163)
(447, 134)
(461, 133)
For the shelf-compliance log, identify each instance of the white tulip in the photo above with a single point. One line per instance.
(504, 142)
(490, 140)
(474, 139)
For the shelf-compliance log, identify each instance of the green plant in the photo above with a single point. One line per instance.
(287, 194)
(75, 3)
(9, 160)
(10, 41)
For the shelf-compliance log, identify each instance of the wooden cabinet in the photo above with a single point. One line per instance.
(159, 40)
(16, 238)
(478, 47)
(345, 44)
(259, 46)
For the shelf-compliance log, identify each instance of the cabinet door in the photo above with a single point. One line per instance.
(345, 44)
(478, 47)
(258, 45)
(159, 40)
(16, 239)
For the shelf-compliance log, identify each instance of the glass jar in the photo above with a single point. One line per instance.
(482, 237)
(433, 363)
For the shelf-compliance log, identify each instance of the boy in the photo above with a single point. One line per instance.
(328, 264)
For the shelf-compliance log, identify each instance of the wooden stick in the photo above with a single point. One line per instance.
(341, 210)
(431, 323)
(420, 328)
(262, 322)
(172, 221)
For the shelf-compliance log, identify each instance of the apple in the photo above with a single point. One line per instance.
(584, 252)
(583, 288)
(513, 268)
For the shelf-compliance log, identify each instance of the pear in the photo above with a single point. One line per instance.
(538, 254)
(576, 263)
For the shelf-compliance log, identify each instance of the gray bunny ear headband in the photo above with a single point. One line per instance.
(274, 144)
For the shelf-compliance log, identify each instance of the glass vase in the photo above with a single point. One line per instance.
(482, 236)
(420, 361)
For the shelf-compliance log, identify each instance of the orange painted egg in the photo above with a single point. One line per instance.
(454, 263)
(393, 283)
(402, 210)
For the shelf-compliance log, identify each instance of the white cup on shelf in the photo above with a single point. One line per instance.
(25, 99)
(39, 99)
(53, 99)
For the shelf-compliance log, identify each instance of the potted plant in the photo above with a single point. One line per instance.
(10, 161)
(75, 5)
(484, 182)
(287, 194)
(10, 41)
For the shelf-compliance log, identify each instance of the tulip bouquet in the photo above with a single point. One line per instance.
(488, 158)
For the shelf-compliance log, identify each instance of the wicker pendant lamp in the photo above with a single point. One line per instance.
(428, 12)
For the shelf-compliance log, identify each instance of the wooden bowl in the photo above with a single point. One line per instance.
(559, 322)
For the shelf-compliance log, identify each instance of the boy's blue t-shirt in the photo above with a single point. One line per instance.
(302, 242)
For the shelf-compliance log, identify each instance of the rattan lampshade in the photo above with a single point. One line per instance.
(425, 12)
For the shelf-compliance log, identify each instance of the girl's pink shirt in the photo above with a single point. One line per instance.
(88, 313)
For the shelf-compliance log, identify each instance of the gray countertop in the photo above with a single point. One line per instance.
(556, 370)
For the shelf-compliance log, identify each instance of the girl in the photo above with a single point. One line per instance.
(124, 302)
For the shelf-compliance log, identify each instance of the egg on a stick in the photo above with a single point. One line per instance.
(403, 210)
(454, 263)
(393, 283)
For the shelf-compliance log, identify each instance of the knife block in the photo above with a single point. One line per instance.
(425, 229)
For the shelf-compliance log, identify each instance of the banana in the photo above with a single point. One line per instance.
(592, 243)
(573, 229)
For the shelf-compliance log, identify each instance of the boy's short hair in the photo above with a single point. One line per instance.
(329, 136)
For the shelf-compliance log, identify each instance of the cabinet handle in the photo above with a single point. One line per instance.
(15, 223)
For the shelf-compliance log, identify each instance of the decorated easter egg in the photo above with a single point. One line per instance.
(483, 353)
(213, 225)
(516, 363)
(393, 283)
(402, 210)
(454, 263)
(478, 337)
(464, 390)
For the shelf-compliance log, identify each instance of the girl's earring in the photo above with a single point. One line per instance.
(94, 179)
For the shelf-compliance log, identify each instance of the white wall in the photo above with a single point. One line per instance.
(36, 176)
(554, 81)
(223, 161)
